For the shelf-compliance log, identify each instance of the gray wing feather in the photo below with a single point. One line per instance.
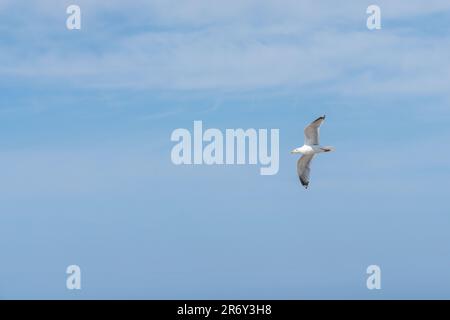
(303, 169)
(312, 131)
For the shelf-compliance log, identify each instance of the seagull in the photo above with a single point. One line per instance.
(309, 150)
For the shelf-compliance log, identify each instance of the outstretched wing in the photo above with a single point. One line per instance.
(312, 131)
(303, 169)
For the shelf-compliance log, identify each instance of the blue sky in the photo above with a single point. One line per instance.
(86, 178)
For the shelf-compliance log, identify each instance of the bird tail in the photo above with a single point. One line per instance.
(328, 149)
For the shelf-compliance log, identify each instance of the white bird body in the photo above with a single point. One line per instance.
(310, 148)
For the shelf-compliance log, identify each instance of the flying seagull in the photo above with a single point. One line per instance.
(309, 150)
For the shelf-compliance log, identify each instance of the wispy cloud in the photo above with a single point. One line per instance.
(240, 45)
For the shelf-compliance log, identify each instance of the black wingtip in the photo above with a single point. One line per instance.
(304, 183)
(320, 118)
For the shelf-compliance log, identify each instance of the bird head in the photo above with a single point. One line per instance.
(296, 150)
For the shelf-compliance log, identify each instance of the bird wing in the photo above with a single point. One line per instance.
(303, 169)
(312, 131)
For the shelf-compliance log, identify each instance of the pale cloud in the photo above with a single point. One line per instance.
(240, 45)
